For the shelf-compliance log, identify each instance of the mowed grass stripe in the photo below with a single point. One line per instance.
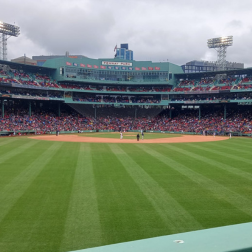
(4, 141)
(219, 149)
(220, 165)
(240, 145)
(208, 210)
(126, 214)
(82, 227)
(242, 139)
(234, 149)
(15, 189)
(203, 162)
(172, 213)
(11, 167)
(219, 191)
(15, 151)
(36, 221)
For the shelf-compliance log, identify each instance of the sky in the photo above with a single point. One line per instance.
(158, 30)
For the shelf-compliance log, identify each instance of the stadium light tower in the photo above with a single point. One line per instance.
(6, 31)
(220, 44)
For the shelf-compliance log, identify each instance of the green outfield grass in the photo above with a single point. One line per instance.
(129, 135)
(60, 196)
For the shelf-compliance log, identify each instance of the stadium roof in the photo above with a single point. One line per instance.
(214, 73)
(25, 60)
(25, 66)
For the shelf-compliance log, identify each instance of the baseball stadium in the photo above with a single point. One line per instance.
(115, 154)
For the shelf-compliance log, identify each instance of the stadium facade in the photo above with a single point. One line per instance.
(209, 66)
(106, 87)
(113, 71)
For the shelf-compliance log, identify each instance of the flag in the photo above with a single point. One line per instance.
(82, 65)
(68, 64)
(150, 68)
(157, 68)
(144, 68)
(90, 66)
(115, 48)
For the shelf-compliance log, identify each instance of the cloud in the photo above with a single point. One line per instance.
(73, 30)
(155, 30)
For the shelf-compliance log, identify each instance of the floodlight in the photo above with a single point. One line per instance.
(221, 44)
(6, 30)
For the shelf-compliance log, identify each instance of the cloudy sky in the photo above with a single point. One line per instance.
(157, 30)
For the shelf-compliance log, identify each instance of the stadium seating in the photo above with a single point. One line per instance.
(115, 101)
(43, 121)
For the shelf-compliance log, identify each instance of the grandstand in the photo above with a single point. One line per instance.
(140, 94)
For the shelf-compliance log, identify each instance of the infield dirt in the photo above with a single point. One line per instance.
(182, 139)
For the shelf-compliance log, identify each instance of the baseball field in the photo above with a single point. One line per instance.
(70, 195)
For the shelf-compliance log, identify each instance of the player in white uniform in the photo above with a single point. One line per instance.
(142, 133)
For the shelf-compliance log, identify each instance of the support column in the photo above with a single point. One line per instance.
(170, 113)
(29, 108)
(59, 110)
(3, 108)
(199, 112)
(225, 111)
(135, 113)
(95, 112)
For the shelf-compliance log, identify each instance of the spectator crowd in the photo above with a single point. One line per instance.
(45, 122)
